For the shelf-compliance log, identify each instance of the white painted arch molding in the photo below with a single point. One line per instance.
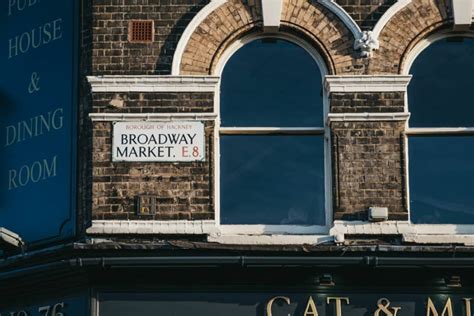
(366, 41)
(352, 25)
(270, 21)
(344, 16)
(188, 32)
(388, 15)
(370, 40)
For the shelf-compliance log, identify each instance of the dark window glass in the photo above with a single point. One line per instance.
(275, 180)
(271, 82)
(442, 179)
(440, 92)
(441, 169)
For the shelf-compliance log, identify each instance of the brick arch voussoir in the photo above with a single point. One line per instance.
(225, 24)
(236, 18)
(334, 38)
(404, 31)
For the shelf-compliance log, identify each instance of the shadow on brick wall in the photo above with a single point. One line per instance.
(371, 20)
(165, 58)
(368, 12)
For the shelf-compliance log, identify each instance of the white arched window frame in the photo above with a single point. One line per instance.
(273, 229)
(432, 229)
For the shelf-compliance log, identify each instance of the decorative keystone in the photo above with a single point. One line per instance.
(462, 14)
(271, 11)
(366, 44)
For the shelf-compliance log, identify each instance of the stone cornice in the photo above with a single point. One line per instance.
(153, 83)
(343, 117)
(128, 117)
(152, 227)
(384, 83)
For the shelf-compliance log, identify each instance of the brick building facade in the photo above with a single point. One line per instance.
(364, 49)
(366, 90)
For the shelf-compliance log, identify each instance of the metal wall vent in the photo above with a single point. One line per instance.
(141, 31)
(146, 204)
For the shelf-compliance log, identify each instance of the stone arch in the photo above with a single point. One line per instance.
(414, 51)
(408, 27)
(237, 18)
(334, 38)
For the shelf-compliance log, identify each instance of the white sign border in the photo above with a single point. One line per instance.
(114, 145)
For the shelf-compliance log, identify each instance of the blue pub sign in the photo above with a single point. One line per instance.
(38, 100)
(72, 305)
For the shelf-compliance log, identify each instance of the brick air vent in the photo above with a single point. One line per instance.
(141, 31)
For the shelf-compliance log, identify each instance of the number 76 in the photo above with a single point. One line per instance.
(55, 310)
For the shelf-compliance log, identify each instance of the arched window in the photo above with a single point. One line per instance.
(441, 133)
(272, 144)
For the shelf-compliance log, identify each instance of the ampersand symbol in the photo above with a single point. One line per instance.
(383, 306)
(34, 86)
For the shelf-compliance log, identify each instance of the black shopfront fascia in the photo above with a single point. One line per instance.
(239, 285)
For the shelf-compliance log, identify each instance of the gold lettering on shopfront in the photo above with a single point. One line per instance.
(383, 306)
(467, 303)
(338, 301)
(310, 308)
(270, 303)
(431, 309)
